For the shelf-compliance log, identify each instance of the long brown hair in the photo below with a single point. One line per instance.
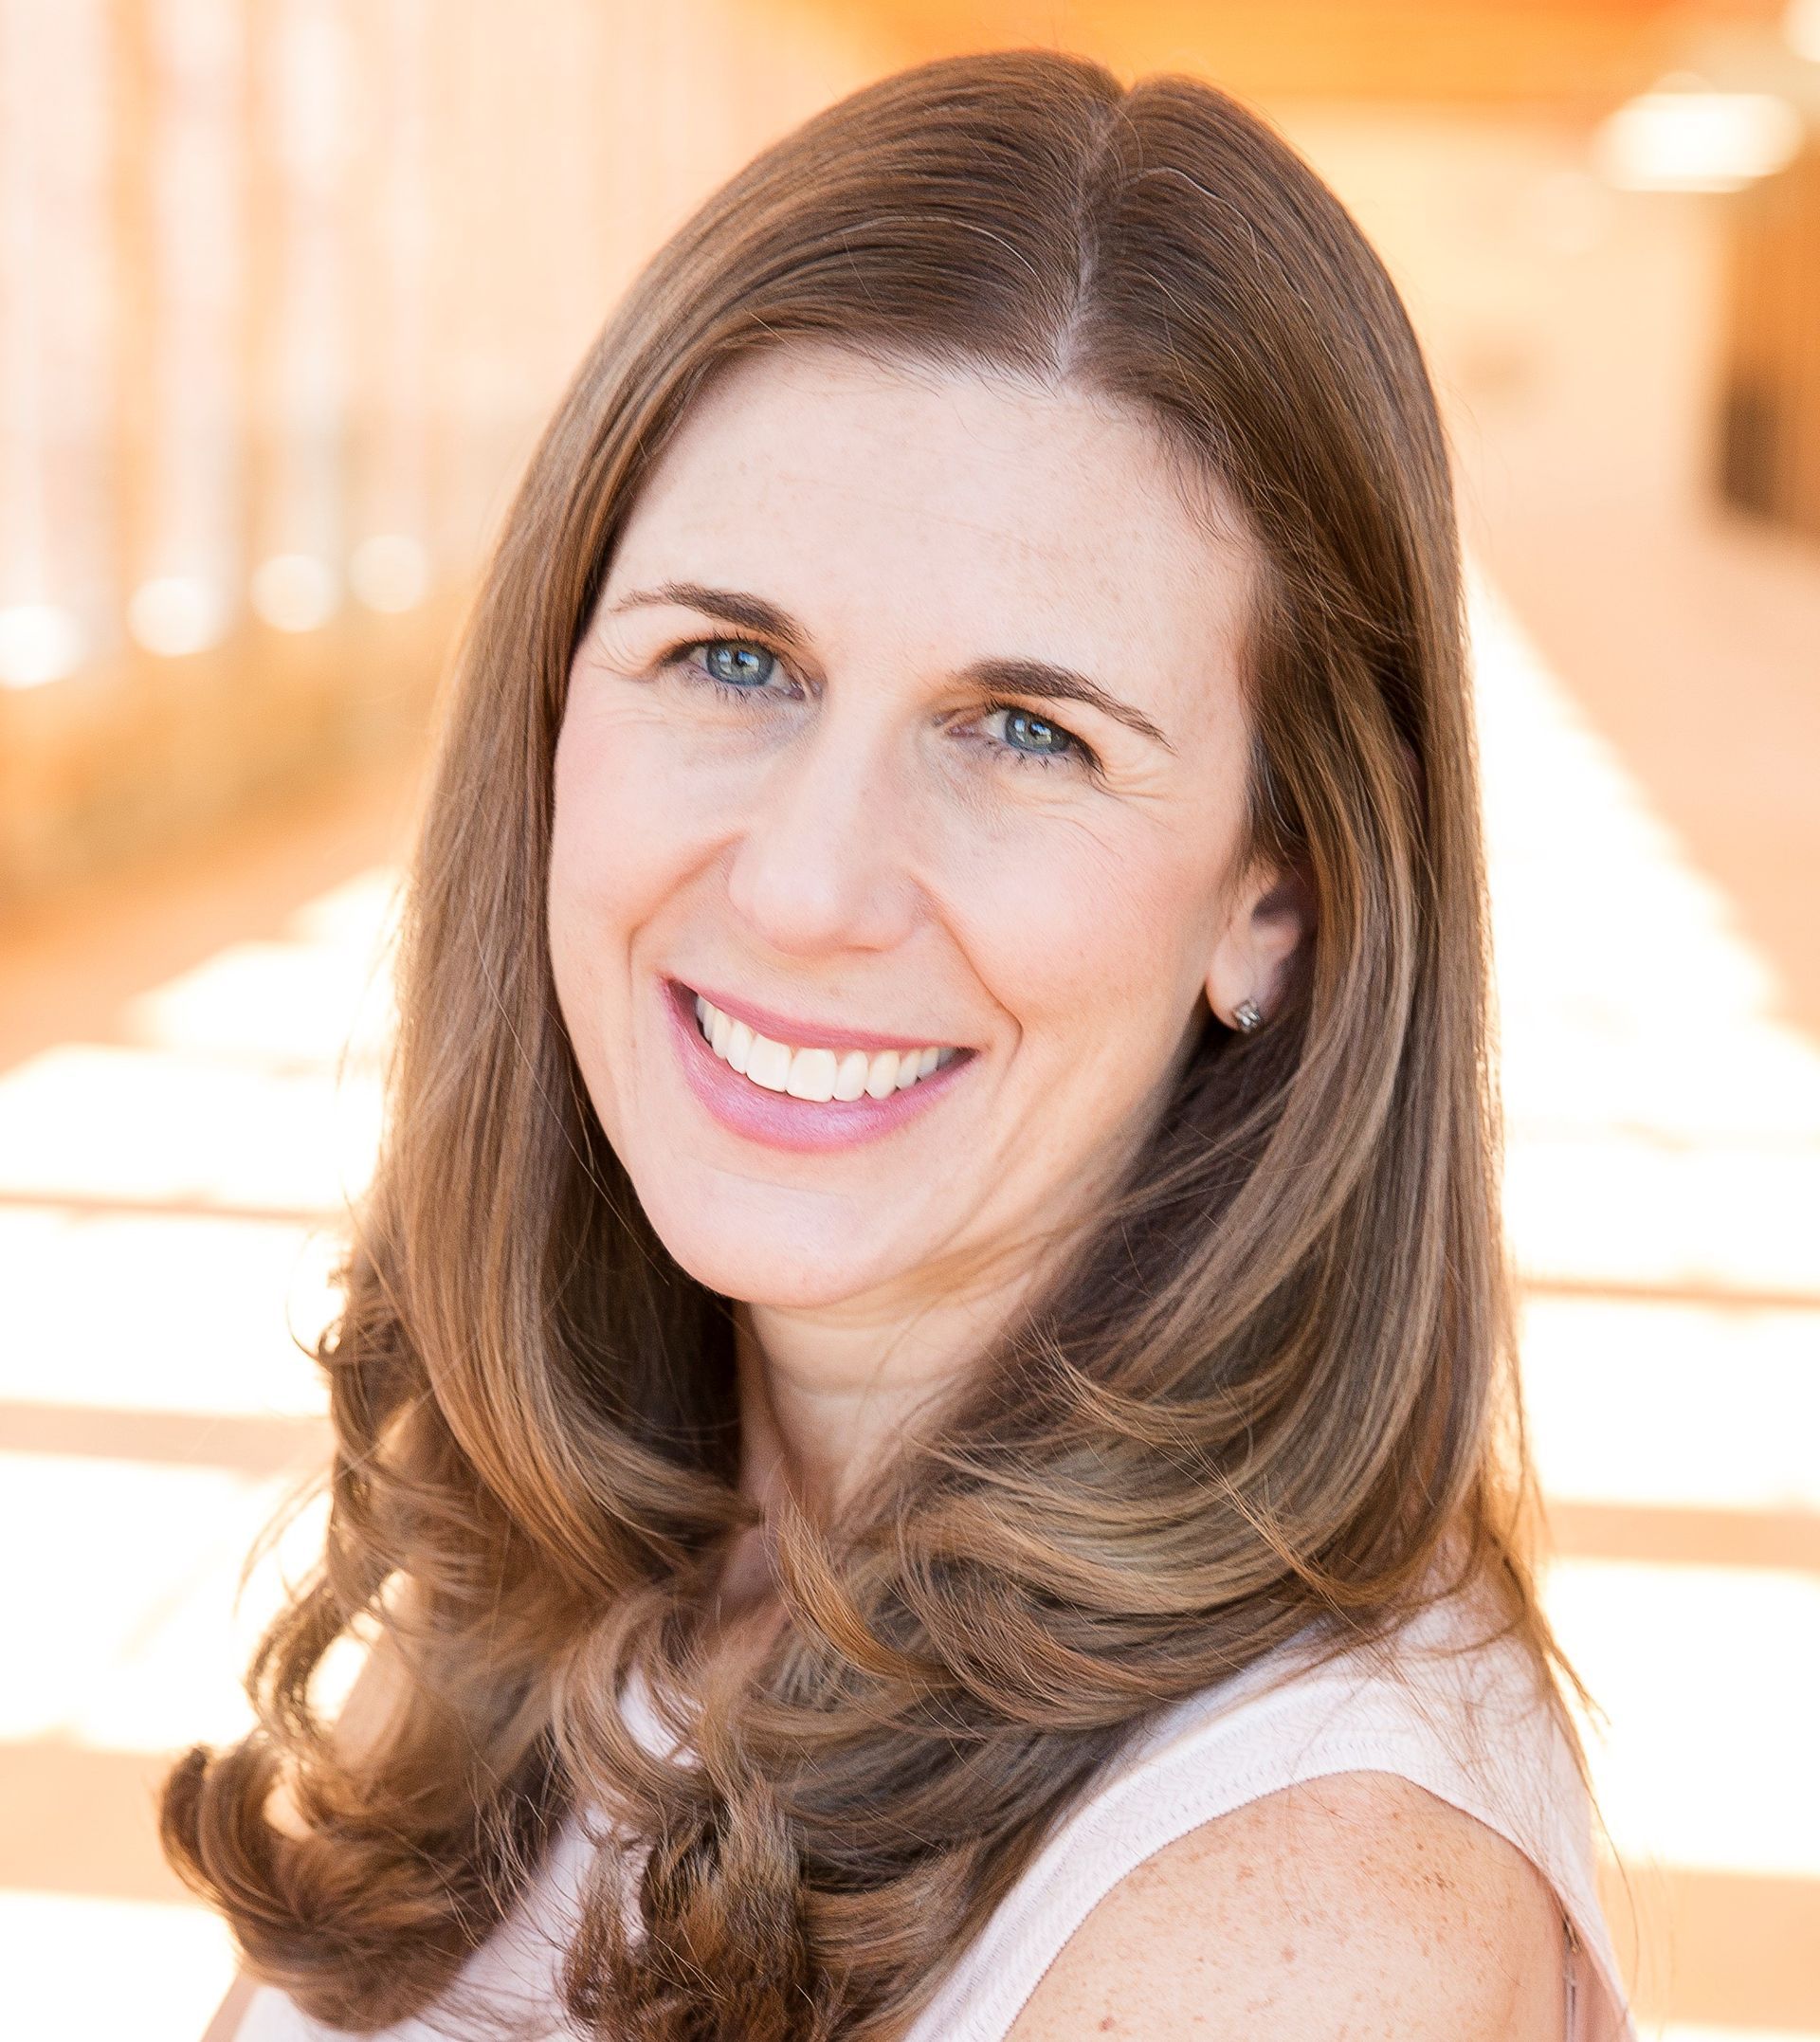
(1274, 1392)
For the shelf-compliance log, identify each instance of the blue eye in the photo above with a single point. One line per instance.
(1051, 744)
(737, 669)
(1032, 743)
(736, 665)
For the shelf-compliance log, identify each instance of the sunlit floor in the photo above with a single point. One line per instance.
(181, 1120)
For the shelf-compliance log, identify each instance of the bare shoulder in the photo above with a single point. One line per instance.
(1351, 1908)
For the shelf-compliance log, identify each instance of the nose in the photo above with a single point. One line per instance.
(819, 865)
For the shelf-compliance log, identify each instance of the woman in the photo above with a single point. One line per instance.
(923, 1411)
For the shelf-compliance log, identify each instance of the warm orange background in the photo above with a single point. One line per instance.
(286, 287)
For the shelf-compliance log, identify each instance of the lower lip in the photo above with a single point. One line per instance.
(806, 1125)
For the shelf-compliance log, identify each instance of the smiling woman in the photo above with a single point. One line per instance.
(862, 838)
(924, 1407)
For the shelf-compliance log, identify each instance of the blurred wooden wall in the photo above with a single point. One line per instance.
(1577, 57)
(1770, 459)
(286, 289)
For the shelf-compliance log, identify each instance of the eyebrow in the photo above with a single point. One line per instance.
(1040, 679)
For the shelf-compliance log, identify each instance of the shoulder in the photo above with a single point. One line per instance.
(1356, 1906)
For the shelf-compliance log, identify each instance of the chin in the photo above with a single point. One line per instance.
(757, 1279)
(762, 1258)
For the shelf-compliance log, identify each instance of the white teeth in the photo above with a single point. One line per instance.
(769, 1064)
(811, 1074)
(815, 1074)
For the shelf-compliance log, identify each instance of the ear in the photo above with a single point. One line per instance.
(1272, 917)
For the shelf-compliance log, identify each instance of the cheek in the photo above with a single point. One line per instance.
(1095, 923)
(619, 836)
(1096, 946)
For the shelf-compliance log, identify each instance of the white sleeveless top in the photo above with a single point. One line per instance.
(1472, 1730)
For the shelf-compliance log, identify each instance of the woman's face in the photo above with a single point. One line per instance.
(909, 716)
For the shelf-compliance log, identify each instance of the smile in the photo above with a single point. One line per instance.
(803, 1097)
(810, 1073)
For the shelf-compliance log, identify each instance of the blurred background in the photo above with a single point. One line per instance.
(287, 287)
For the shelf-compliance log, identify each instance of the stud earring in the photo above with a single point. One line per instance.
(1246, 1018)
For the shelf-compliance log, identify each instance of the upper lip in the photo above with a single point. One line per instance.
(801, 1034)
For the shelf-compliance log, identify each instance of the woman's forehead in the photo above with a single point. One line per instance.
(963, 499)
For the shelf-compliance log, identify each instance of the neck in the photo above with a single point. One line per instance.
(825, 1406)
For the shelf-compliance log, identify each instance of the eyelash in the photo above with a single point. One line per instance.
(1079, 754)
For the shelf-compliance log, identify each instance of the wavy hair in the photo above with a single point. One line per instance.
(1270, 1396)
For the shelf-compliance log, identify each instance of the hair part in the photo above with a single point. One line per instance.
(1271, 1398)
